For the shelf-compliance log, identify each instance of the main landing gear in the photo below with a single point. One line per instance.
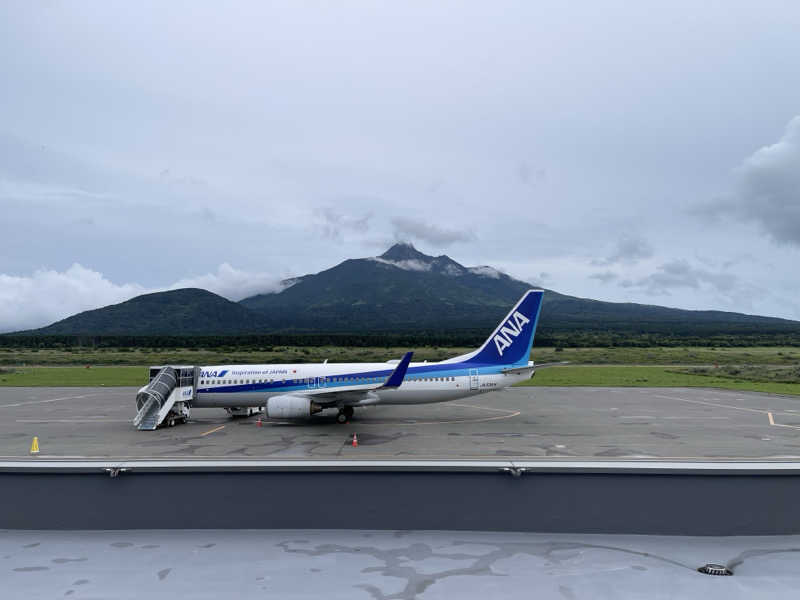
(345, 414)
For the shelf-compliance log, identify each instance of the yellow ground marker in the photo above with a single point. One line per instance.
(213, 430)
(35, 445)
(774, 424)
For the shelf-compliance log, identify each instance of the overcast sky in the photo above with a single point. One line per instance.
(645, 152)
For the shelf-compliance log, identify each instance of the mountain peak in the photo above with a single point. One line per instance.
(404, 251)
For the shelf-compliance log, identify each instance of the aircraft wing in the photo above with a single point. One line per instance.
(362, 392)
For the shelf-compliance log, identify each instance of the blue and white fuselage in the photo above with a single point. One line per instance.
(303, 389)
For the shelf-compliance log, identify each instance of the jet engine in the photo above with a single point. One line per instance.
(291, 407)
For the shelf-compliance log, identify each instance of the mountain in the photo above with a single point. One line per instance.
(404, 289)
(188, 311)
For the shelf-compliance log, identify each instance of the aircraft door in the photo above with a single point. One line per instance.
(316, 382)
(473, 379)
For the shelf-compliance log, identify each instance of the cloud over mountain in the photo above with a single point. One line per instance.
(49, 295)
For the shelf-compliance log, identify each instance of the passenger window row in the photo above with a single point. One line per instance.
(357, 380)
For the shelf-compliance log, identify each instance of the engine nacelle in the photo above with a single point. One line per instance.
(291, 407)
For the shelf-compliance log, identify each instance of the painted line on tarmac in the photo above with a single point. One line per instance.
(213, 430)
(774, 424)
(46, 401)
(509, 415)
(761, 411)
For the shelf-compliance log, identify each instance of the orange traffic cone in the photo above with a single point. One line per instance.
(258, 423)
(355, 441)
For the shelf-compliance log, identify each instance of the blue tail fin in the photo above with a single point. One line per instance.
(510, 343)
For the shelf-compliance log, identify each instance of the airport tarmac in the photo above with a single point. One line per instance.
(576, 423)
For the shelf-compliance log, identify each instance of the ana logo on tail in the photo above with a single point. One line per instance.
(503, 338)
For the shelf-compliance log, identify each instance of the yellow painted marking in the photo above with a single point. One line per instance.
(213, 430)
(774, 424)
(754, 410)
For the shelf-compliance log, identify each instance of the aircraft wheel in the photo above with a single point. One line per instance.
(348, 411)
(342, 418)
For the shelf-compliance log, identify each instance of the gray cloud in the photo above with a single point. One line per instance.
(529, 175)
(192, 138)
(333, 224)
(629, 250)
(407, 228)
(767, 189)
(679, 274)
(604, 277)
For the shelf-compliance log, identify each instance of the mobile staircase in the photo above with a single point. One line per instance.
(166, 400)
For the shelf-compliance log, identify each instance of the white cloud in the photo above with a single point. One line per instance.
(485, 271)
(46, 296)
(406, 265)
(232, 283)
(424, 231)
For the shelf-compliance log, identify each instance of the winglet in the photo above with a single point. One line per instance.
(399, 373)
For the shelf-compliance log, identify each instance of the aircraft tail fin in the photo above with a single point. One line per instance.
(510, 343)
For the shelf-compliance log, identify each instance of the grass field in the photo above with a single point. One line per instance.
(649, 376)
(767, 369)
(611, 376)
(761, 355)
(73, 376)
(217, 356)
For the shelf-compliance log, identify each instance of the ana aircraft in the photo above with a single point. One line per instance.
(301, 390)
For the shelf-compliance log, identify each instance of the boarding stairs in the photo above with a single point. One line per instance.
(155, 401)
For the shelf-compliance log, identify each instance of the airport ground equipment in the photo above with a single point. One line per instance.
(244, 411)
(167, 398)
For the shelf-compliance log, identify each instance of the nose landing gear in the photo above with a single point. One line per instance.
(345, 414)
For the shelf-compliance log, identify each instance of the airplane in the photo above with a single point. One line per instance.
(301, 390)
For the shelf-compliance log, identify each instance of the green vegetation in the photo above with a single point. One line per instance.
(213, 356)
(73, 376)
(763, 373)
(232, 354)
(769, 369)
(677, 355)
(638, 376)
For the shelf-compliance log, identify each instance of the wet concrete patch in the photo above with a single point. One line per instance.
(62, 561)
